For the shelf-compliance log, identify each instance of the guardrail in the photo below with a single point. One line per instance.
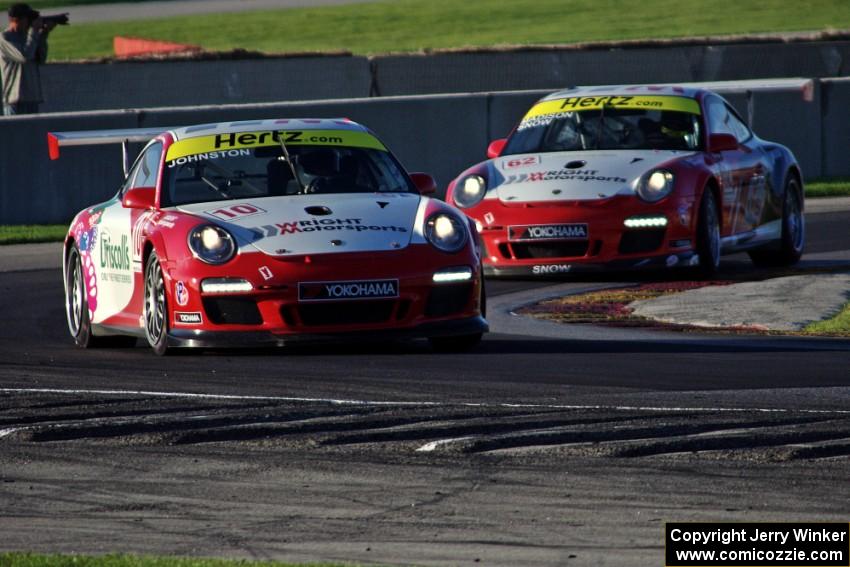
(440, 134)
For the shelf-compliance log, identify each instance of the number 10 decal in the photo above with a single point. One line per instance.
(236, 211)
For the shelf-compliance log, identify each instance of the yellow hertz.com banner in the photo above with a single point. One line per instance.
(241, 140)
(579, 103)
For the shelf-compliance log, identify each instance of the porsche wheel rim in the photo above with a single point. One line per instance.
(74, 296)
(154, 303)
(795, 219)
(713, 232)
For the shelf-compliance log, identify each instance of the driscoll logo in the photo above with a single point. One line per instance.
(548, 232)
(330, 291)
(114, 256)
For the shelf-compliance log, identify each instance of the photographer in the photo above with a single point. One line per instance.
(23, 46)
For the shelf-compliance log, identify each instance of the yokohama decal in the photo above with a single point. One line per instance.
(340, 291)
(548, 232)
(188, 318)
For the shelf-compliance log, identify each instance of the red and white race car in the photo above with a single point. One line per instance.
(628, 177)
(268, 232)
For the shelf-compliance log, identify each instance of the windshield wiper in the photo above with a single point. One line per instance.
(301, 188)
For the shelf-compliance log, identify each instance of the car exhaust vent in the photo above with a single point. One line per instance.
(232, 311)
(597, 248)
(505, 251)
(403, 310)
(566, 249)
(346, 312)
(448, 300)
(641, 241)
(288, 316)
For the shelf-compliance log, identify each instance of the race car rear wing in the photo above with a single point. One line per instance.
(55, 140)
(806, 88)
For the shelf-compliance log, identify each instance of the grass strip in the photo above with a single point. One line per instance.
(411, 25)
(838, 187)
(838, 326)
(31, 233)
(121, 560)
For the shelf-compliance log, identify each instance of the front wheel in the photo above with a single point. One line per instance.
(793, 238)
(708, 235)
(156, 307)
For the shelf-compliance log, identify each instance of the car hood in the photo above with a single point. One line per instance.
(316, 224)
(574, 176)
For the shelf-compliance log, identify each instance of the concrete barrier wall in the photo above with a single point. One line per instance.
(835, 118)
(555, 69)
(116, 85)
(101, 86)
(439, 134)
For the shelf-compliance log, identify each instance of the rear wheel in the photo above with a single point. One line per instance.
(708, 235)
(77, 308)
(156, 307)
(793, 238)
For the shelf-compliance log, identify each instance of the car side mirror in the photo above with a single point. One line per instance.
(722, 142)
(495, 148)
(140, 198)
(425, 184)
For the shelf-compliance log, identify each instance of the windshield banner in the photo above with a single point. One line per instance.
(220, 143)
(579, 103)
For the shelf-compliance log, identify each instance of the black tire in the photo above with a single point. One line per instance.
(77, 308)
(793, 239)
(156, 307)
(708, 236)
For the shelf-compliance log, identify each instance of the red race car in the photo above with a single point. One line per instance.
(629, 177)
(269, 232)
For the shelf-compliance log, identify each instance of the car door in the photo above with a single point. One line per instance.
(741, 172)
(117, 258)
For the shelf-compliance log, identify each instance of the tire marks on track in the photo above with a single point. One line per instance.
(426, 429)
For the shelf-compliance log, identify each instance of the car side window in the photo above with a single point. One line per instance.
(144, 171)
(741, 131)
(723, 120)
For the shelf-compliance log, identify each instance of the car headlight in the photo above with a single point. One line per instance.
(446, 232)
(655, 185)
(469, 191)
(211, 244)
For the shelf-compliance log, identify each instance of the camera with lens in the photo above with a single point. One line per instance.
(59, 19)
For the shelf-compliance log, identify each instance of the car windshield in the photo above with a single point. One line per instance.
(240, 172)
(606, 128)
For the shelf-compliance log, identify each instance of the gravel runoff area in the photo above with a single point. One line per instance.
(779, 304)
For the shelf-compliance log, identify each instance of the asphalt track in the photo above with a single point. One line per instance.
(532, 450)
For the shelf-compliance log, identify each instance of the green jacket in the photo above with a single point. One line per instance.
(20, 56)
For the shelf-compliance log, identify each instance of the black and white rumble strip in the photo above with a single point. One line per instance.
(347, 290)
(547, 232)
